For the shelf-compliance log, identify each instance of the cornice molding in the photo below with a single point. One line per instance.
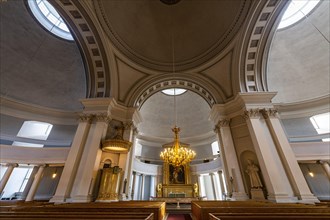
(242, 102)
(27, 111)
(113, 110)
(306, 108)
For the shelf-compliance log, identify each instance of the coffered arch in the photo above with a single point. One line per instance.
(87, 33)
(257, 37)
(209, 94)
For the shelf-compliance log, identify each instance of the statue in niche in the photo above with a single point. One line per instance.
(253, 170)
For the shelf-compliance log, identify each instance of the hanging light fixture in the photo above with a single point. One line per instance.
(117, 144)
(176, 153)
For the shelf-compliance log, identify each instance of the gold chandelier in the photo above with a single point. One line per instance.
(179, 154)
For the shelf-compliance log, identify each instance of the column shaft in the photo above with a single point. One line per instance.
(213, 186)
(326, 167)
(288, 158)
(230, 162)
(6, 176)
(35, 184)
(64, 187)
(222, 185)
(90, 161)
(142, 186)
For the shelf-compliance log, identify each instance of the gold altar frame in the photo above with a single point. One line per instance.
(167, 175)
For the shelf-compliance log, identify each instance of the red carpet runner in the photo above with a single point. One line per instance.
(179, 217)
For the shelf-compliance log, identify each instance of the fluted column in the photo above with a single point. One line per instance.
(6, 176)
(29, 183)
(35, 184)
(326, 167)
(90, 160)
(287, 156)
(222, 185)
(230, 163)
(64, 186)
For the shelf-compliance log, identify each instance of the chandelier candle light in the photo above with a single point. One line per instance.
(177, 155)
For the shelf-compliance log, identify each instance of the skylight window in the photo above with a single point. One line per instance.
(174, 91)
(49, 18)
(297, 10)
(35, 130)
(215, 148)
(26, 144)
(321, 124)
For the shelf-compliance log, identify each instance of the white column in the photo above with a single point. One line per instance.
(29, 183)
(35, 184)
(326, 167)
(143, 176)
(133, 185)
(230, 163)
(288, 158)
(201, 185)
(6, 176)
(222, 185)
(213, 185)
(89, 164)
(129, 157)
(64, 186)
(153, 186)
(278, 189)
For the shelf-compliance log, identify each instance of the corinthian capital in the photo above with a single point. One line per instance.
(224, 122)
(103, 117)
(251, 113)
(269, 113)
(85, 118)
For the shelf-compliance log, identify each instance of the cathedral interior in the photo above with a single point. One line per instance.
(91, 90)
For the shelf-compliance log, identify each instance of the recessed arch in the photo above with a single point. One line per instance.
(177, 83)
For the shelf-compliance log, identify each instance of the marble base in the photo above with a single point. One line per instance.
(257, 194)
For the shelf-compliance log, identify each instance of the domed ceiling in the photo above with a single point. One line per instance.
(36, 66)
(146, 31)
(159, 117)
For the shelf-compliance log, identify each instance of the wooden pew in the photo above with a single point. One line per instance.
(76, 216)
(124, 208)
(256, 210)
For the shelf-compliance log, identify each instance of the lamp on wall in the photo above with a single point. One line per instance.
(117, 144)
(176, 153)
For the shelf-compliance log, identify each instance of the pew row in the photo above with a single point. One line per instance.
(256, 210)
(114, 210)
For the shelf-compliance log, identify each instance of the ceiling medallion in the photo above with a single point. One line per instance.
(170, 2)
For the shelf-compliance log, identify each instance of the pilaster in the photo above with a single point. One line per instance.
(287, 156)
(90, 160)
(279, 189)
(230, 162)
(71, 165)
